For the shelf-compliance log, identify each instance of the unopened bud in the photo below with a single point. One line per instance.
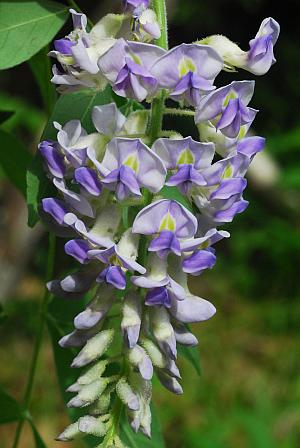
(93, 373)
(131, 322)
(139, 359)
(70, 433)
(93, 426)
(89, 393)
(126, 395)
(94, 348)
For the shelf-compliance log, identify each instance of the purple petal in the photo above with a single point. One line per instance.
(228, 188)
(54, 160)
(64, 46)
(88, 179)
(164, 243)
(56, 208)
(158, 296)
(78, 249)
(114, 276)
(198, 261)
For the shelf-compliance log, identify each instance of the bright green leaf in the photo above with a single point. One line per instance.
(14, 160)
(75, 105)
(192, 355)
(10, 410)
(26, 27)
(133, 440)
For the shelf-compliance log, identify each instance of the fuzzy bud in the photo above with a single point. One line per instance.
(94, 348)
(92, 425)
(126, 395)
(131, 322)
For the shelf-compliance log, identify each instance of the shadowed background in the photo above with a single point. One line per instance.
(248, 395)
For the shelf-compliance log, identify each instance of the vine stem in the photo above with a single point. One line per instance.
(37, 343)
(157, 108)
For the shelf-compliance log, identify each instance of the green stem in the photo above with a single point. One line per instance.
(180, 112)
(157, 108)
(38, 341)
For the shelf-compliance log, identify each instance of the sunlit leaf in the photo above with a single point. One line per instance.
(14, 160)
(26, 27)
(10, 410)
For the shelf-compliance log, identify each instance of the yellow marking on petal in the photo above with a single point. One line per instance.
(135, 59)
(186, 157)
(228, 172)
(230, 96)
(186, 65)
(243, 132)
(204, 245)
(167, 223)
(132, 162)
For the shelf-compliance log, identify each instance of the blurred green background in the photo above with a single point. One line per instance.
(248, 395)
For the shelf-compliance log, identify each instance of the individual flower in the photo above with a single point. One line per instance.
(79, 52)
(228, 106)
(118, 259)
(127, 67)
(145, 25)
(188, 71)
(185, 158)
(168, 222)
(128, 165)
(258, 59)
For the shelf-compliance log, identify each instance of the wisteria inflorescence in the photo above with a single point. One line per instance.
(135, 239)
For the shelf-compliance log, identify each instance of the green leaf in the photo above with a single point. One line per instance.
(41, 68)
(23, 114)
(174, 193)
(37, 438)
(14, 160)
(191, 354)
(10, 410)
(5, 115)
(138, 440)
(26, 27)
(75, 105)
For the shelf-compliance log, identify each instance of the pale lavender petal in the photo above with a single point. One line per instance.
(228, 188)
(192, 309)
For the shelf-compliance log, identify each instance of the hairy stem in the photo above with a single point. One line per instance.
(38, 341)
(180, 112)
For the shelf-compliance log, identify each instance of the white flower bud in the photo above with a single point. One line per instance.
(92, 425)
(126, 394)
(131, 322)
(94, 348)
(139, 359)
(163, 330)
(156, 356)
(70, 433)
(89, 393)
(93, 373)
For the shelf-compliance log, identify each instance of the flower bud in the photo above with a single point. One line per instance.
(183, 336)
(131, 322)
(92, 425)
(93, 373)
(139, 359)
(88, 393)
(94, 348)
(126, 395)
(170, 383)
(156, 356)
(163, 331)
(70, 433)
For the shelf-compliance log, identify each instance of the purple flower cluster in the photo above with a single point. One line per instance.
(144, 256)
